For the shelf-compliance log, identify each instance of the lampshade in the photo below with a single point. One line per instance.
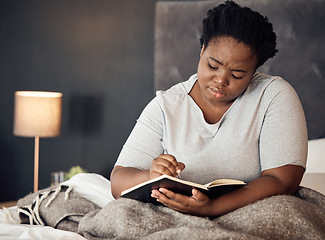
(37, 114)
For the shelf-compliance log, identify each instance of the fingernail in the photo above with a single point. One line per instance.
(154, 196)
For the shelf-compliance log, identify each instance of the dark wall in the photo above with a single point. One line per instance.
(99, 54)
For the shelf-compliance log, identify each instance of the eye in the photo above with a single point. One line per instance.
(234, 76)
(214, 68)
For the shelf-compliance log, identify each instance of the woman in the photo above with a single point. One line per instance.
(226, 121)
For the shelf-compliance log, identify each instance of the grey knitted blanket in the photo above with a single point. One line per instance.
(280, 217)
(57, 206)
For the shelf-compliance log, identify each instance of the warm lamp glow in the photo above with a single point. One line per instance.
(37, 114)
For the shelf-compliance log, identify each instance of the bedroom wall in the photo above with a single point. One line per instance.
(99, 54)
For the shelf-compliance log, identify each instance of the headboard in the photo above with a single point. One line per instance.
(300, 28)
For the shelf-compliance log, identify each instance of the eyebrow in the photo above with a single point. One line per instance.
(234, 70)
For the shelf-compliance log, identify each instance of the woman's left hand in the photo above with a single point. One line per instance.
(197, 204)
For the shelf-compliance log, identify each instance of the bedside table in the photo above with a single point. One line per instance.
(8, 204)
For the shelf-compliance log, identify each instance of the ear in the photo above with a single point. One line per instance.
(202, 50)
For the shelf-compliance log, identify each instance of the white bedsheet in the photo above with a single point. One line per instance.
(94, 187)
(27, 232)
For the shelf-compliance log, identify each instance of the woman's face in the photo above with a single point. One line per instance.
(225, 69)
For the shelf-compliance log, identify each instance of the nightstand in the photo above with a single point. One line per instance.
(8, 204)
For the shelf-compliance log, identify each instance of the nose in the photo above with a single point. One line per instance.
(221, 79)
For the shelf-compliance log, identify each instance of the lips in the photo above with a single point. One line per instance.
(216, 92)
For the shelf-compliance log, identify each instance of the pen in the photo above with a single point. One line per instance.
(165, 151)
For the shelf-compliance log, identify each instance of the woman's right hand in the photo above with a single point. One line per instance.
(165, 164)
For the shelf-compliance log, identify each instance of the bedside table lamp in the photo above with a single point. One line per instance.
(37, 114)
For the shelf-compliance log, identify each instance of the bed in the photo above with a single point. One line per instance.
(298, 24)
(92, 186)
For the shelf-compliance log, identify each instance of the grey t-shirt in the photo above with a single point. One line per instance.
(264, 128)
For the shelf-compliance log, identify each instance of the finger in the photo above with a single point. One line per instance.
(163, 165)
(160, 197)
(198, 196)
(155, 194)
(169, 194)
(161, 169)
(180, 167)
(169, 158)
(173, 200)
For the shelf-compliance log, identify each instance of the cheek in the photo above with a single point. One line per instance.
(204, 73)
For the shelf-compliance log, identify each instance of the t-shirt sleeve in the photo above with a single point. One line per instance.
(143, 144)
(283, 138)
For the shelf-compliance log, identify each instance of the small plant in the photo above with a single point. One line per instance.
(73, 171)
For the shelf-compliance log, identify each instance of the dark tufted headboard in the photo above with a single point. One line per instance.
(300, 27)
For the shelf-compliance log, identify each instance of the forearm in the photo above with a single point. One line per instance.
(123, 178)
(254, 191)
(266, 186)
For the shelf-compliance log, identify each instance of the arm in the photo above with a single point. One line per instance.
(143, 145)
(123, 178)
(281, 180)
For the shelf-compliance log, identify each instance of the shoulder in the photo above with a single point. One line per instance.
(264, 81)
(171, 98)
(176, 95)
(182, 88)
(270, 86)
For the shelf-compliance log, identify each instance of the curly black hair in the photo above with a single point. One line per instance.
(244, 25)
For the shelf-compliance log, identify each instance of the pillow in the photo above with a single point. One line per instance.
(91, 186)
(316, 156)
